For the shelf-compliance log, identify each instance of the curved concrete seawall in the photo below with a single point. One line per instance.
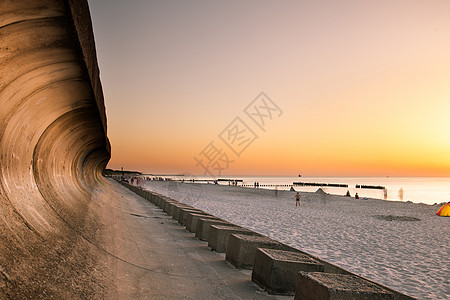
(53, 148)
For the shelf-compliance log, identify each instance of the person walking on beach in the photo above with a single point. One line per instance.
(297, 199)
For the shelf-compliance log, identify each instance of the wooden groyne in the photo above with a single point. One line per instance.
(268, 185)
(320, 184)
(374, 187)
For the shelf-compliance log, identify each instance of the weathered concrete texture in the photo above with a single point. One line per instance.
(324, 286)
(276, 270)
(241, 249)
(184, 213)
(192, 218)
(53, 148)
(203, 226)
(177, 210)
(219, 235)
(156, 258)
(168, 204)
(158, 200)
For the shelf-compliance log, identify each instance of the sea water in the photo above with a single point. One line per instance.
(428, 190)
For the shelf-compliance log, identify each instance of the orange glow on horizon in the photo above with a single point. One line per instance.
(363, 86)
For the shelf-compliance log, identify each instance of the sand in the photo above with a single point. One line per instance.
(402, 245)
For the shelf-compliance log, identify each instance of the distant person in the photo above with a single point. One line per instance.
(292, 189)
(297, 199)
(348, 194)
(400, 194)
(356, 196)
(276, 191)
(385, 193)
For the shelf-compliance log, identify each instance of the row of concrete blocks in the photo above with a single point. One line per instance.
(278, 268)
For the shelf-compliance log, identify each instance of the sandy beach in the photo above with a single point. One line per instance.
(402, 245)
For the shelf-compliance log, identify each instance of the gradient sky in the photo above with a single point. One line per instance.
(363, 86)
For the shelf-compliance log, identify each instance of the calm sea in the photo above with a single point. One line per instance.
(427, 190)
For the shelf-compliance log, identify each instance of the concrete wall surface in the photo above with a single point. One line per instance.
(53, 148)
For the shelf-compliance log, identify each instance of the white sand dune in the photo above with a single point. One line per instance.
(402, 245)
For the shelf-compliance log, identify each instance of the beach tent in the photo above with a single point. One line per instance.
(321, 192)
(444, 211)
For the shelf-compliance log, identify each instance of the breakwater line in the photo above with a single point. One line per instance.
(320, 184)
(375, 187)
(428, 190)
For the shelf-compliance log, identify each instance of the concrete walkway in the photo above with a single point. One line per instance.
(150, 256)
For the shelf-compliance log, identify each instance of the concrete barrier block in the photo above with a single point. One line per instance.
(166, 204)
(161, 201)
(177, 210)
(150, 196)
(185, 212)
(203, 227)
(171, 207)
(158, 201)
(219, 235)
(192, 218)
(321, 286)
(241, 249)
(153, 197)
(276, 270)
(181, 209)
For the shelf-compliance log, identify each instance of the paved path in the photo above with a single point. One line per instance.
(150, 256)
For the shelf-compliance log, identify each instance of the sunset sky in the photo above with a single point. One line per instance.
(350, 87)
